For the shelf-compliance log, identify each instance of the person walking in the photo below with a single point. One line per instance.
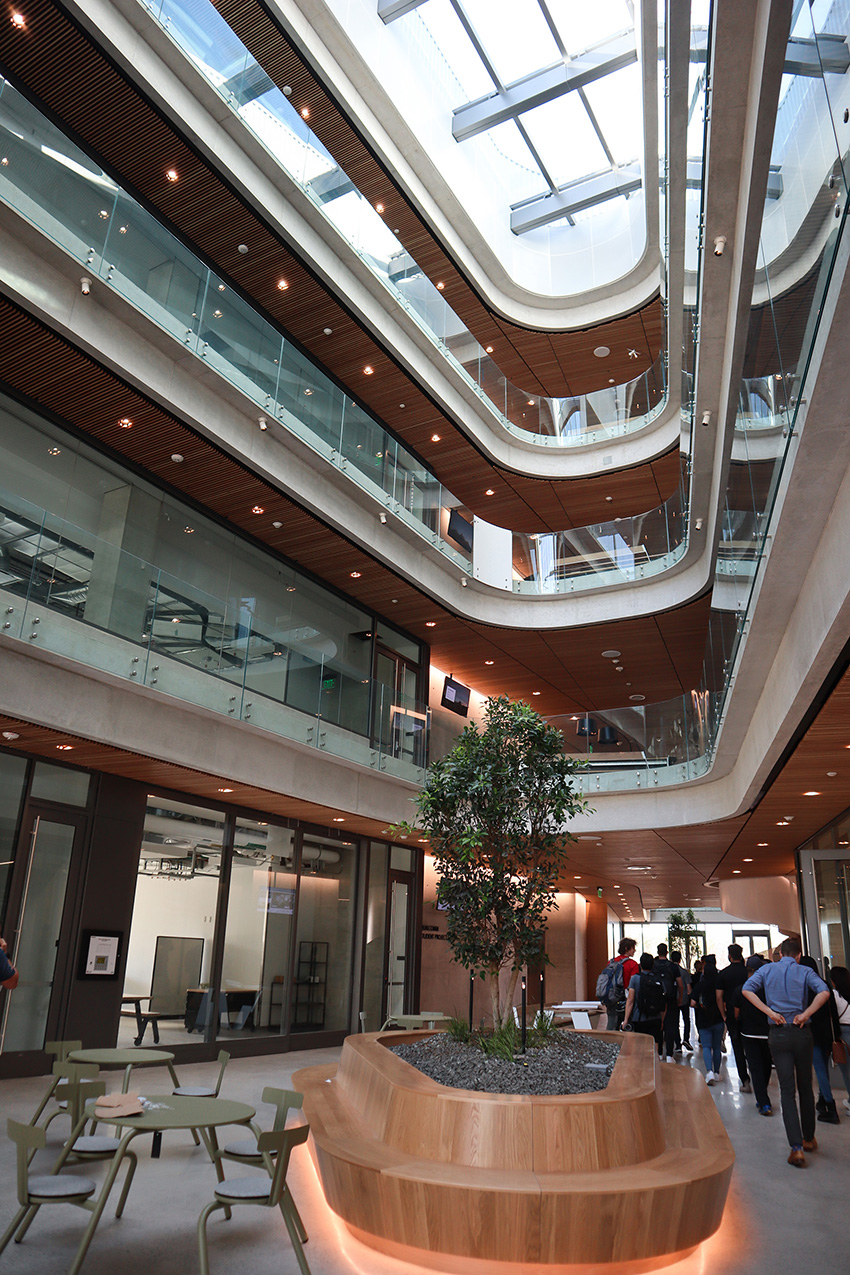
(646, 1003)
(729, 979)
(753, 1027)
(616, 1001)
(782, 992)
(840, 976)
(709, 1020)
(671, 978)
(683, 1041)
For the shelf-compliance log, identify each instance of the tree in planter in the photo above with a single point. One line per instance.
(683, 935)
(495, 810)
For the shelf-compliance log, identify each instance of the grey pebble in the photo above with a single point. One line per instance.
(572, 1063)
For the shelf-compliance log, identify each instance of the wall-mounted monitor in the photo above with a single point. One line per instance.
(460, 530)
(455, 697)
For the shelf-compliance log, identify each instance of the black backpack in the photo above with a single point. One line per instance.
(666, 971)
(651, 997)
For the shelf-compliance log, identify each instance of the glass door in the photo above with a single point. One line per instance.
(752, 941)
(398, 720)
(398, 943)
(37, 928)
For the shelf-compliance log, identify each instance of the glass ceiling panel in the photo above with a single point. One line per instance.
(583, 25)
(565, 139)
(524, 177)
(453, 47)
(514, 34)
(616, 103)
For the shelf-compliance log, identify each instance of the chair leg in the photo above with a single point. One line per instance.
(295, 1239)
(155, 1029)
(296, 1216)
(27, 1222)
(13, 1226)
(203, 1254)
(131, 1169)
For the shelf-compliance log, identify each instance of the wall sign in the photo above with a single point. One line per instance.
(100, 953)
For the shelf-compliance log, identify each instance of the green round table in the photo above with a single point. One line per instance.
(168, 1111)
(126, 1058)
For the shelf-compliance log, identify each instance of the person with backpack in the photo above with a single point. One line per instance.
(728, 980)
(646, 1002)
(613, 983)
(671, 979)
(709, 1019)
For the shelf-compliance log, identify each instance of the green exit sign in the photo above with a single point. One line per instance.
(328, 683)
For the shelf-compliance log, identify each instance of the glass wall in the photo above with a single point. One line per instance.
(824, 864)
(321, 983)
(203, 613)
(13, 771)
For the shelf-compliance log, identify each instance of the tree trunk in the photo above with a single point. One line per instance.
(509, 1000)
(495, 1007)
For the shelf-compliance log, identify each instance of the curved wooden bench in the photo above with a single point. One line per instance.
(635, 1174)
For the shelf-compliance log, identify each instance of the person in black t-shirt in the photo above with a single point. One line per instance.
(708, 1017)
(728, 980)
(753, 1026)
(671, 977)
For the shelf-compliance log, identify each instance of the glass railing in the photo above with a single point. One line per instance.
(609, 553)
(207, 41)
(69, 592)
(58, 189)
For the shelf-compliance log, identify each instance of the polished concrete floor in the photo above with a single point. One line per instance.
(778, 1219)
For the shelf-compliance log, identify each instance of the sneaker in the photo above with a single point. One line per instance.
(710, 1078)
(686, 1044)
(678, 1051)
(846, 1105)
(746, 1087)
(766, 1110)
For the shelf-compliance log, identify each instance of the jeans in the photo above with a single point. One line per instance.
(792, 1049)
(760, 1063)
(711, 1039)
(821, 1063)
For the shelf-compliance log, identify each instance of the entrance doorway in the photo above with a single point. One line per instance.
(398, 939)
(752, 941)
(39, 925)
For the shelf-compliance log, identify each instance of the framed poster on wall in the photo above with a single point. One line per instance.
(100, 953)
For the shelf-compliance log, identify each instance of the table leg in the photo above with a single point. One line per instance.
(100, 1204)
(156, 1145)
(173, 1074)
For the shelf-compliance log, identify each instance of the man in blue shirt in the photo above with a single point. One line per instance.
(786, 988)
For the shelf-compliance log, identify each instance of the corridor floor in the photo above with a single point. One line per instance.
(778, 1219)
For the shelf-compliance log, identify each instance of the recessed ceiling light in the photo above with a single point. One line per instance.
(611, 380)
(172, 175)
(748, 861)
(190, 531)
(103, 214)
(176, 619)
(811, 794)
(10, 734)
(355, 575)
(637, 697)
(65, 748)
(611, 655)
(531, 402)
(430, 624)
(277, 525)
(601, 351)
(305, 113)
(782, 823)
(830, 774)
(488, 661)
(764, 843)
(435, 438)
(290, 588)
(18, 21)
(441, 286)
(257, 509)
(368, 370)
(221, 288)
(489, 492)
(736, 872)
(282, 285)
(54, 451)
(225, 790)
(379, 208)
(338, 819)
(125, 422)
(535, 692)
(177, 458)
(308, 391)
(576, 878)
(328, 331)
(488, 349)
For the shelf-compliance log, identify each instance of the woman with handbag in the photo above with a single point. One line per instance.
(840, 978)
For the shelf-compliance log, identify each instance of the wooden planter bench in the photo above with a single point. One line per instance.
(636, 1174)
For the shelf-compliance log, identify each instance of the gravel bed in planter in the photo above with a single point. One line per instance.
(571, 1062)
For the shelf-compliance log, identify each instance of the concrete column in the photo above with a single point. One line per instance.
(120, 582)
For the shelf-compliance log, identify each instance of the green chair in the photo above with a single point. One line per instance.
(261, 1191)
(67, 1074)
(60, 1050)
(204, 1091)
(35, 1189)
(247, 1151)
(91, 1146)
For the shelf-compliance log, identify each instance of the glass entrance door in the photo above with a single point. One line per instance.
(39, 942)
(397, 944)
(398, 722)
(752, 941)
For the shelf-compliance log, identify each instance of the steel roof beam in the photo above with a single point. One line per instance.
(389, 10)
(543, 86)
(541, 210)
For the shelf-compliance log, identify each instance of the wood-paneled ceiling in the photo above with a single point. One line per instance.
(563, 670)
(549, 363)
(65, 71)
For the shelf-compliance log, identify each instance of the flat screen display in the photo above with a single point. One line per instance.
(460, 529)
(455, 697)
